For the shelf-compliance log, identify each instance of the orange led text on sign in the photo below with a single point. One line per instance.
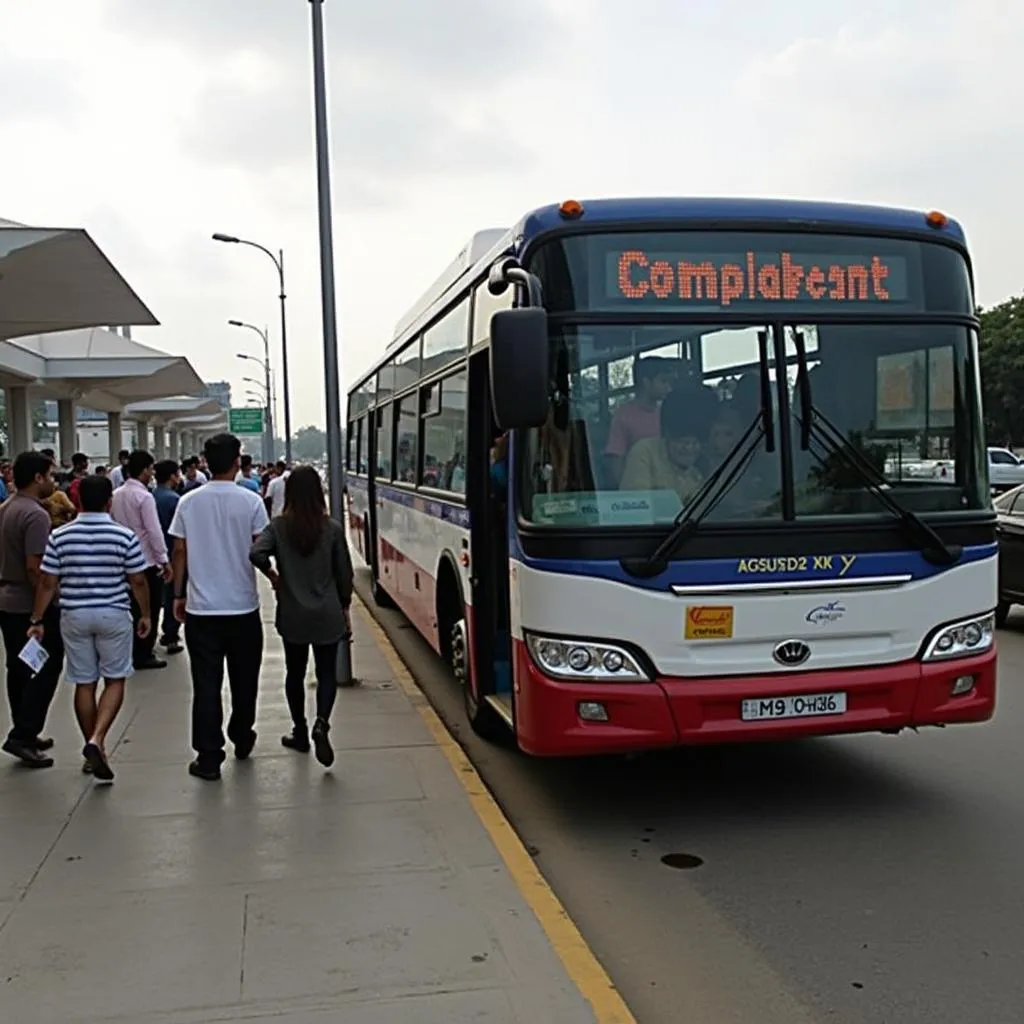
(639, 276)
(709, 622)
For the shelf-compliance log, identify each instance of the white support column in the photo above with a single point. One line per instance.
(173, 442)
(142, 435)
(19, 420)
(114, 436)
(159, 442)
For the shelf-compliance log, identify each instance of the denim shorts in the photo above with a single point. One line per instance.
(97, 644)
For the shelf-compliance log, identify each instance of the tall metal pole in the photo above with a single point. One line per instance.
(335, 470)
(268, 432)
(284, 365)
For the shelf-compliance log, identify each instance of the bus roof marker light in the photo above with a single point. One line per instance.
(571, 209)
(936, 219)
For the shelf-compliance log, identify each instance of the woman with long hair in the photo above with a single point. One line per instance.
(304, 554)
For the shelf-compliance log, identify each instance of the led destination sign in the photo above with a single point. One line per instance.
(636, 276)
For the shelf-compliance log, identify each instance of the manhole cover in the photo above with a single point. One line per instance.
(682, 861)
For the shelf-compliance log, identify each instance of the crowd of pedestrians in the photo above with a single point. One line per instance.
(96, 567)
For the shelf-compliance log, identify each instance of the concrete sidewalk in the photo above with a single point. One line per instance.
(369, 894)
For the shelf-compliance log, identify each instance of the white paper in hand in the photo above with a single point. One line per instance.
(34, 654)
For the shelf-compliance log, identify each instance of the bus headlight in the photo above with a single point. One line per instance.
(961, 639)
(584, 660)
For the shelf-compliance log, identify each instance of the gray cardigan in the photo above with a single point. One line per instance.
(314, 590)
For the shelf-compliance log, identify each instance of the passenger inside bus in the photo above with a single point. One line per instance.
(640, 418)
(671, 461)
(561, 461)
(499, 467)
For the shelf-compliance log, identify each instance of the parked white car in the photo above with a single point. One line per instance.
(1005, 470)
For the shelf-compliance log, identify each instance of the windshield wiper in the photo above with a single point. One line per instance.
(702, 504)
(717, 486)
(816, 426)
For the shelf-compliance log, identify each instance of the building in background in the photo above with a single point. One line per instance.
(90, 430)
(219, 391)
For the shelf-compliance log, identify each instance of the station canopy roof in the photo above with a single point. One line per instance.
(100, 369)
(58, 279)
(173, 411)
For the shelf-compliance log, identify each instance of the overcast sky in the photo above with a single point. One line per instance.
(153, 123)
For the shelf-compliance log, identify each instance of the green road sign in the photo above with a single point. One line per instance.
(245, 421)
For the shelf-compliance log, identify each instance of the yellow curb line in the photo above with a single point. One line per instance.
(577, 957)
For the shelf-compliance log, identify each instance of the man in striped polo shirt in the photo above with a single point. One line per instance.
(97, 563)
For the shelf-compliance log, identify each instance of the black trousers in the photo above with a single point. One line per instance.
(30, 696)
(170, 627)
(214, 641)
(296, 658)
(142, 650)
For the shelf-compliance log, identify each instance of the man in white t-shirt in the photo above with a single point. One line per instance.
(117, 474)
(214, 527)
(275, 490)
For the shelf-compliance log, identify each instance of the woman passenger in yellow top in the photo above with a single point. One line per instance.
(669, 462)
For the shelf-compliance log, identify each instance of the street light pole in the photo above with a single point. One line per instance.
(284, 363)
(268, 425)
(278, 262)
(335, 470)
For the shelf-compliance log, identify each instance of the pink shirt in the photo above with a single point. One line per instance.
(133, 506)
(632, 422)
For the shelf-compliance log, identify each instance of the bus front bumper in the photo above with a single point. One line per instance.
(672, 712)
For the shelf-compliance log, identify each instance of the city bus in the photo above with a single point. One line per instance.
(635, 468)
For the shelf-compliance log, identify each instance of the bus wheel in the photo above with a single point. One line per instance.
(483, 719)
(1002, 613)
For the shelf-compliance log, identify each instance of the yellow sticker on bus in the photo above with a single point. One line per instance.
(709, 621)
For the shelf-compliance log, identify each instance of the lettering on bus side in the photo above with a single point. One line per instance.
(832, 565)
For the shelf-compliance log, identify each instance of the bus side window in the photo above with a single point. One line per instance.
(444, 434)
(385, 439)
(407, 448)
(363, 463)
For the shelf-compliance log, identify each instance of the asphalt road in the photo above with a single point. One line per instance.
(863, 880)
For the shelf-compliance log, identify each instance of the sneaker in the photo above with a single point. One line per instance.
(200, 771)
(173, 647)
(101, 769)
(298, 741)
(28, 755)
(324, 750)
(243, 748)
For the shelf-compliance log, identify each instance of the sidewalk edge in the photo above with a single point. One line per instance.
(579, 961)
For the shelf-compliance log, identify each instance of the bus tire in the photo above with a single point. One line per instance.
(483, 719)
(1002, 613)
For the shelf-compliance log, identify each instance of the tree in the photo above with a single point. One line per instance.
(309, 444)
(1002, 370)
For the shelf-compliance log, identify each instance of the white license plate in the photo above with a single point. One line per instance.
(806, 706)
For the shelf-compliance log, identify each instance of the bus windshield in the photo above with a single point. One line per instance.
(645, 412)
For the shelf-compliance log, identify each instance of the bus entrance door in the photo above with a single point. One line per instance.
(489, 701)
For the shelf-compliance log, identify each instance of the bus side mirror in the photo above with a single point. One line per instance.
(520, 367)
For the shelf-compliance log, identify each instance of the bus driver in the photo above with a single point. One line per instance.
(670, 462)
